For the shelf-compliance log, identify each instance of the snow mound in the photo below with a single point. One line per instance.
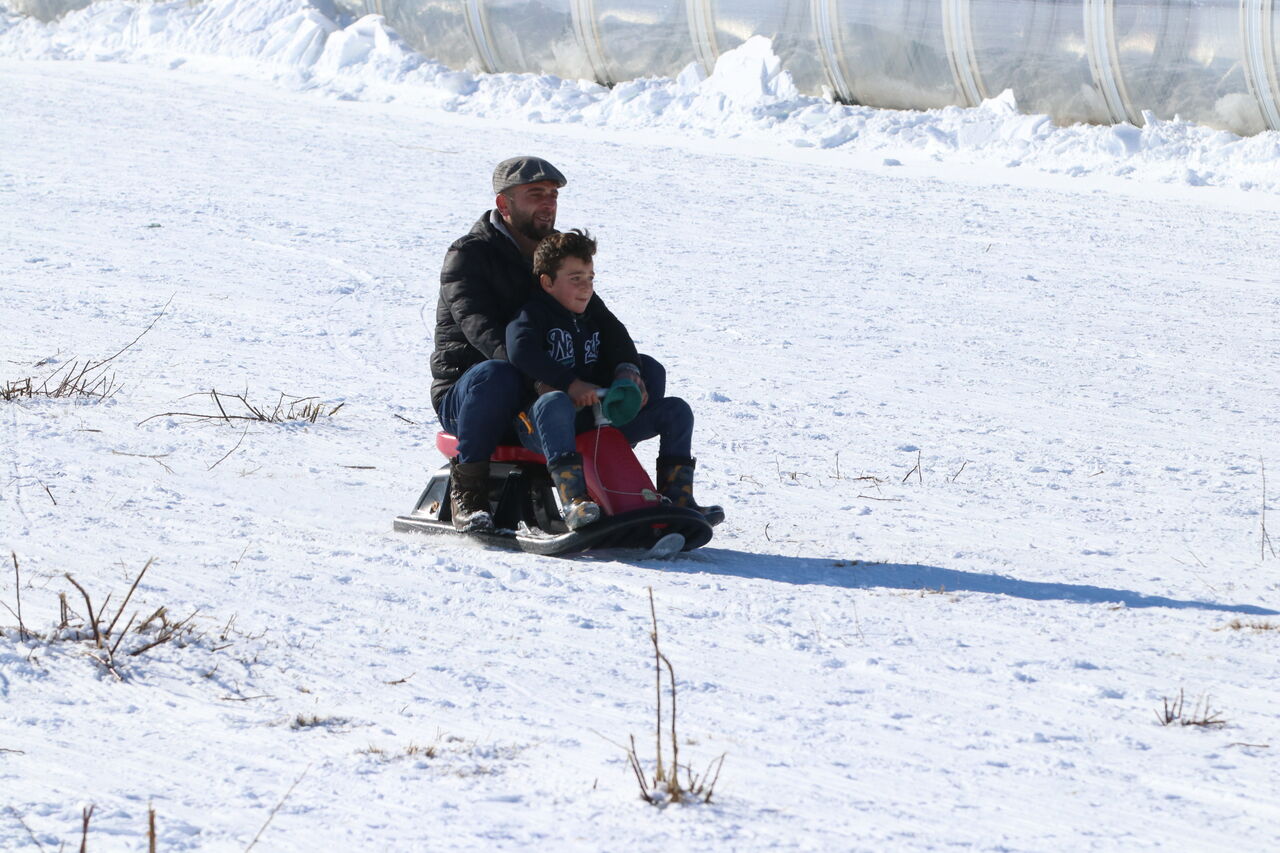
(308, 45)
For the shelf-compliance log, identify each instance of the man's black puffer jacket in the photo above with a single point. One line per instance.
(484, 283)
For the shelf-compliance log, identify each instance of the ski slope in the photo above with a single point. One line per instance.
(991, 438)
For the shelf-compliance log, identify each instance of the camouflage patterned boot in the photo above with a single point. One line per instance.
(566, 473)
(675, 483)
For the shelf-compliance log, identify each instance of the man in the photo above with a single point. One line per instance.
(486, 278)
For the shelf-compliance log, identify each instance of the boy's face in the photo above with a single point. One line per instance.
(573, 284)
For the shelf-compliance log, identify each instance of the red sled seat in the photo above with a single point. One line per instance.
(448, 445)
(615, 478)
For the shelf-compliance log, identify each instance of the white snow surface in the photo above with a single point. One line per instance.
(997, 447)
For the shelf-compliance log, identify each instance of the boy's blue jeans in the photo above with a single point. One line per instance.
(554, 420)
(482, 404)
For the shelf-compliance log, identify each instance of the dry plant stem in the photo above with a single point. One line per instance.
(634, 761)
(666, 778)
(159, 614)
(1266, 539)
(157, 457)
(76, 378)
(23, 824)
(127, 597)
(1174, 711)
(657, 671)
(129, 345)
(151, 829)
(916, 470)
(84, 829)
(17, 592)
(232, 450)
(127, 626)
(675, 748)
(167, 633)
(296, 408)
(93, 619)
(271, 816)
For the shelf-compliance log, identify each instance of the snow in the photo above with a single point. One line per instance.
(991, 438)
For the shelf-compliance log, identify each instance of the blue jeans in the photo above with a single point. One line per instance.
(481, 405)
(555, 424)
(670, 419)
(551, 427)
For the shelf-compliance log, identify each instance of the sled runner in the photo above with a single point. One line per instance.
(526, 511)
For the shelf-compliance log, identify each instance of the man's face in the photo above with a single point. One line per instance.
(531, 209)
(573, 284)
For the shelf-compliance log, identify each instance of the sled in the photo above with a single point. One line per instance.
(526, 507)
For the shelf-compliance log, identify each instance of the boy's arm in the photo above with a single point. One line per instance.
(526, 349)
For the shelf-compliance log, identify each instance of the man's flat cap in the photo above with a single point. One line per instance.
(525, 170)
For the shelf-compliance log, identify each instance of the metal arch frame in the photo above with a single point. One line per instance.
(957, 30)
(1104, 60)
(825, 19)
(481, 40)
(1257, 34)
(587, 32)
(702, 31)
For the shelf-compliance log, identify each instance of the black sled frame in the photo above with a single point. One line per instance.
(526, 515)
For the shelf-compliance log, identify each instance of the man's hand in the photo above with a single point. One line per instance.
(634, 376)
(582, 393)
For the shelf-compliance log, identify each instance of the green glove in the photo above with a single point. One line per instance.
(621, 402)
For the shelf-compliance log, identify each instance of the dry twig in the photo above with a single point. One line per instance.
(232, 450)
(23, 824)
(271, 816)
(287, 408)
(1266, 539)
(666, 786)
(17, 593)
(916, 470)
(1174, 711)
(87, 814)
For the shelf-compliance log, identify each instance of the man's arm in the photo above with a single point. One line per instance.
(619, 349)
(616, 340)
(466, 288)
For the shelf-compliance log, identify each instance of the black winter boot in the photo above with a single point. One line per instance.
(566, 473)
(675, 483)
(469, 496)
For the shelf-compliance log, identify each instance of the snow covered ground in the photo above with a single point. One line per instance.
(1079, 352)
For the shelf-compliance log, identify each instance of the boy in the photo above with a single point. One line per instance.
(557, 342)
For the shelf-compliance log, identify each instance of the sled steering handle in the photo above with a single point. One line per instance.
(597, 409)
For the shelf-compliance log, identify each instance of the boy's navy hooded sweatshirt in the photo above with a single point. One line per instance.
(551, 344)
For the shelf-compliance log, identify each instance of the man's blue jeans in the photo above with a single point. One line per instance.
(482, 404)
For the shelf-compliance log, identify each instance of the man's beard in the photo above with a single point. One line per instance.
(523, 222)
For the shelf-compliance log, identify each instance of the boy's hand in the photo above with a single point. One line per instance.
(582, 393)
(634, 376)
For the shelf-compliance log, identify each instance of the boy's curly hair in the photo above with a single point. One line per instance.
(554, 248)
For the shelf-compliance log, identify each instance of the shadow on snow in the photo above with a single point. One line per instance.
(855, 574)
